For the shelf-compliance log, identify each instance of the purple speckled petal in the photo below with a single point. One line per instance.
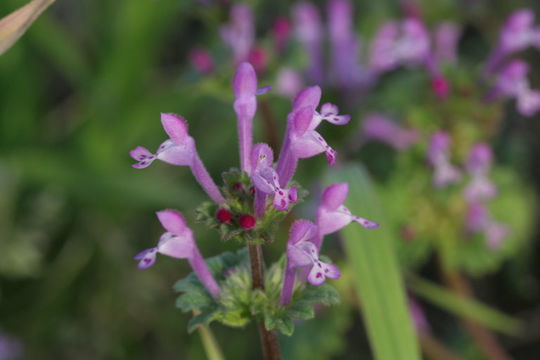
(261, 156)
(146, 258)
(143, 156)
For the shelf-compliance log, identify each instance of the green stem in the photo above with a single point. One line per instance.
(211, 346)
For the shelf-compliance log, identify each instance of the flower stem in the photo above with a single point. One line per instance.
(269, 341)
(211, 346)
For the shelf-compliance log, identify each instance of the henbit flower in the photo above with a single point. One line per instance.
(495, 235)
(395, 44)
(512, 82)
(301, 140)
(178, 150)
(178, 242)
(332, 215)
(517, 34)
(440, 86)
(478, 165)
(239, 34)
(308, 31)
(201, 60)
(345, 45)
(438, 156)
(245, 106)
(447, 36)
(380, 128)
(301, 252)
(266, 180)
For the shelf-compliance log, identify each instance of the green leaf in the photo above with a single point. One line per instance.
(200, 319)
(464, 307)
(376, 274)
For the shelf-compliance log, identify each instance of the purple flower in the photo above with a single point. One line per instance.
(178, 242)
(512, 82)
(447, 36)
(10, 347)
(288, 82)
(345, 44)
(332, 215)
(478, 165)
(245, 106)
(406, 43)
(266, 180)
(178, 150)
(308, 31)
(517, 34)
(380, 128)
(479, 220)
(281, 30)
(301, 252)
(239, 34)
(418, 316)
(301, 139)
(438, 156)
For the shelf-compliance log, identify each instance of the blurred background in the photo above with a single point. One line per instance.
(87, 83)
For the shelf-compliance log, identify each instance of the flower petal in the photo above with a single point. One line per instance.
(297, 257)
(147, 258)
(177, 246)
(172, 221)
(528, 102)
(331, 271)
(335, 195)
(302, 119)
(310, 96)
(143, 156)
(261, 156)
(177, 154)
(301, 230)
(316, 274)
(176, 127)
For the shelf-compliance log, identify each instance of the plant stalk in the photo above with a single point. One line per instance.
(269, 341)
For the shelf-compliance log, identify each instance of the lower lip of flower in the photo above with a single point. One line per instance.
(247, 222)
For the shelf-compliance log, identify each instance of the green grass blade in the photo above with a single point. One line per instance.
(377, 277)
(463, 307)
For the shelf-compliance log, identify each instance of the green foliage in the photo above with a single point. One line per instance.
(239, 303)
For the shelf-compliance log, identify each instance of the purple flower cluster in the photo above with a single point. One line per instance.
(301, 141)
(476, 192)
(517, 34)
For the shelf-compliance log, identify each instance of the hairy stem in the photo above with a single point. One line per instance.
(269, 341)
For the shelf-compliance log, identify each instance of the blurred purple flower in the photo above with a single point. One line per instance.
(438, 156)
(479, 221)
(201, 60)
(288, 82)
(418, 317)
(179, 150)
(512, 82)
(400, 43)
(345, 45)
(378, 127)
(478, 165)
(308, 29)
(178, 242)
(10, 347)
(281, 31)
(239, 33)
(447, 35)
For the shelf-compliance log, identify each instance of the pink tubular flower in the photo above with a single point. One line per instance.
(345, 44)
(178, 150)
(308, 31)
(332, 215)
(438, 156)
(245, 106)
(266, 180)
(512, 82)
(478, 165)
(301, 252)
(395, 44)
(239, 34)
(178, 242)
(380, 128)
(301, 139)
